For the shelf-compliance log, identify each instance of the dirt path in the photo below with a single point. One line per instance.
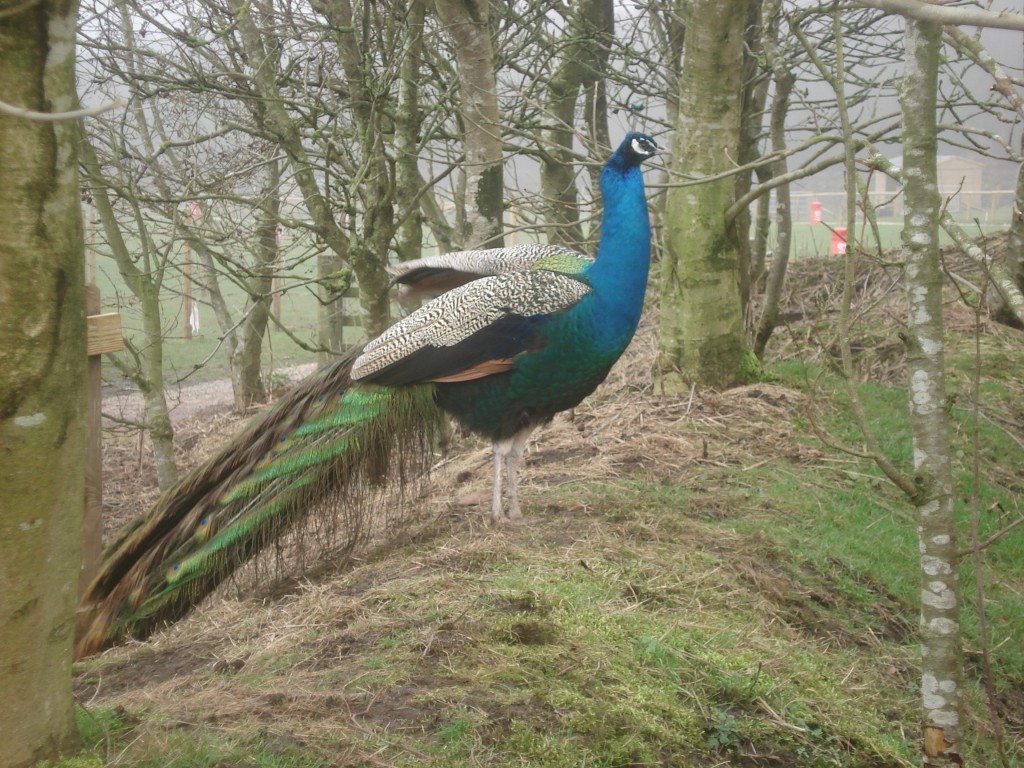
(184, 400)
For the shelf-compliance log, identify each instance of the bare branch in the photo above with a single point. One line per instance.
(52, 117)
(939, 14)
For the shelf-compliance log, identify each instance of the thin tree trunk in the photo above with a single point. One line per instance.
(147, 368)
(784, 80)
(762, 233)
(246, 374)
(149, 377)
(941, 645)
(1014, 256)
(755, 95)
(467, 24)
(702, 338)
(584, 61)
(333, 280)
(408, 123)
(43, 387)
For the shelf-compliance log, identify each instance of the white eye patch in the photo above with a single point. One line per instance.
(642, 148)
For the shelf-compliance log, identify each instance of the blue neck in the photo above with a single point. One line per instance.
(619, 273)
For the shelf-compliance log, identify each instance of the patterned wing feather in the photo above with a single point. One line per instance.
(493, 318)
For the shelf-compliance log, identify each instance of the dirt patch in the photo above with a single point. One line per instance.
(145, 669)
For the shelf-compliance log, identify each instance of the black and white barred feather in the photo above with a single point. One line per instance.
(484, 313)
(434, 275)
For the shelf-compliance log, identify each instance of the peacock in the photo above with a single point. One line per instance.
(515, 336)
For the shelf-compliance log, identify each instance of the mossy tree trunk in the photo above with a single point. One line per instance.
(941, 644)
(702, 337)
(42, 388)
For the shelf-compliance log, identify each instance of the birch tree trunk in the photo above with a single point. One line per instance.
(42, 389)
(467, 23)
(941, 653)
(702, 339)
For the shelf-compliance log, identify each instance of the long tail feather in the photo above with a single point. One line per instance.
(327, 440)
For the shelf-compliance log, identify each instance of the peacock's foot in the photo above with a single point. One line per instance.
(509, 518)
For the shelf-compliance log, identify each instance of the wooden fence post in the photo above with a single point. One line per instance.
(103, 335)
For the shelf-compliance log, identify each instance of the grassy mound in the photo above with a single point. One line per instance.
(704, 583)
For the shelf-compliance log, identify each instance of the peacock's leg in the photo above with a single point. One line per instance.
(499, 459)
(515, 452)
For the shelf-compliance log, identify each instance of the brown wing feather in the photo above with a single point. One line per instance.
(478, 371)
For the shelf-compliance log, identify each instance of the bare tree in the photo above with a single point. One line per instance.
(143, 270)
(582, 67)
(783, 79)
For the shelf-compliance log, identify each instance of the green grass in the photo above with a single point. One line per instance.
(816, 239)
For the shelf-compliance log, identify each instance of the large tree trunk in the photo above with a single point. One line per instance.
(702, 338)
(467, 24)
(941, 653)
(42, 390)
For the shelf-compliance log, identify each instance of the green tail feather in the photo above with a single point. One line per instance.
(330, 441)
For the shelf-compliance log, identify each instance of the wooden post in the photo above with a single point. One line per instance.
(103, 335)
(186, 292)
(275, 298)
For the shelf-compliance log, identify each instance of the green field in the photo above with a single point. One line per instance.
(297, 311)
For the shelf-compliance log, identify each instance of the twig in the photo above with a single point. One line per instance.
(974, 549)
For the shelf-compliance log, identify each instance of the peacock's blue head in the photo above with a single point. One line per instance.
(634, 149)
